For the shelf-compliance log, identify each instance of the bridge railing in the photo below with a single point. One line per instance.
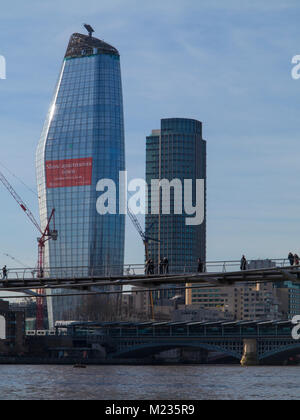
(139, 269)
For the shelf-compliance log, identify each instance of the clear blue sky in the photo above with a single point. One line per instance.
(226, 63)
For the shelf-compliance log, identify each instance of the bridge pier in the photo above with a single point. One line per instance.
(250, 357)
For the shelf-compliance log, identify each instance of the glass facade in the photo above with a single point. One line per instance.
(82, 142)
(176, 151)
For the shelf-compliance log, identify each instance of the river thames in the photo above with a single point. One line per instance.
(149, 383)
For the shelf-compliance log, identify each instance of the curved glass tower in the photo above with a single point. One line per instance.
(82, 142)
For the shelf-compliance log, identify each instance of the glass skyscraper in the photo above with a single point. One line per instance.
(176, 151)
(82, 142)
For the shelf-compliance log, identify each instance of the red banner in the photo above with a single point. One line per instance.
(69, 173)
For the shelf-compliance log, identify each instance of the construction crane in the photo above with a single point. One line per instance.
(146, 239)
(144, 235)
(46, 235)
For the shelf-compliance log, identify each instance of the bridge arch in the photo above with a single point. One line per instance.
(282, 352)
(150, 349)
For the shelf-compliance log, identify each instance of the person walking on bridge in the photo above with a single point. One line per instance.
(200, 266)
(161, 267)
(166, 265)
(4, 273)
(151, 267)
(243, 263)
(296, 260)
(291, 259)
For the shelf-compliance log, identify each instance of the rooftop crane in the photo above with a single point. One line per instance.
(46, 235)
(146, 239)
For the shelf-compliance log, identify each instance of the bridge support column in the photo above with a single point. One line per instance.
(250, 357)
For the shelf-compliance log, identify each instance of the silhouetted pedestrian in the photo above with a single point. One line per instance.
(151, 267)
(243, 263)
(296, 260)
(161, 267)
(291, 259)
(200, 266)
(4, 273)
(166, 265)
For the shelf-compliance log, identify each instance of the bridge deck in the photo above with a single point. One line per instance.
(276, 274)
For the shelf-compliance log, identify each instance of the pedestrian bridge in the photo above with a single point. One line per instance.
(272, 340)
(218, 273)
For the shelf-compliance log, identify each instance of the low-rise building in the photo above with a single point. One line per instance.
(242, 301)
(196, 313)
(12, 330)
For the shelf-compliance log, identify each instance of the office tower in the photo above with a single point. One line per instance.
(176, 152)
(82, 142)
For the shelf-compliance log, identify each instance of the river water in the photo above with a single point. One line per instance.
(149, 382)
